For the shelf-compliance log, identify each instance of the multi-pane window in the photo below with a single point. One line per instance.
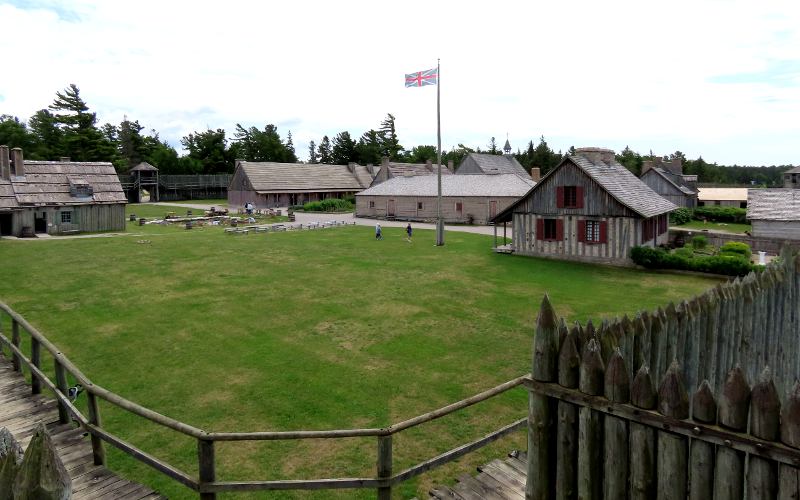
(592, 231)
(66, 217)
(570, 196)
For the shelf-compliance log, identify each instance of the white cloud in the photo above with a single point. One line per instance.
(581, 73)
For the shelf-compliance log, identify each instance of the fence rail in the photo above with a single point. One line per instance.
(206, 483)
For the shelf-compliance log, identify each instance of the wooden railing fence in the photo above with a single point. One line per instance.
(207, 484)
(598, 430)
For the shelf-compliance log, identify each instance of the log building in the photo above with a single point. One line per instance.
(666, 178)
(588, 208)
(58, 197)
(774, 213)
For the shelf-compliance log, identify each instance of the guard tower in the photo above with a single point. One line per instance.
(145, 179)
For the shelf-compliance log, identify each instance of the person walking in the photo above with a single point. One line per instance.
(408, 232)
(378, 234)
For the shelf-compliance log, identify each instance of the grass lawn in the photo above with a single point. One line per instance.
(728, 227)
(306, 330)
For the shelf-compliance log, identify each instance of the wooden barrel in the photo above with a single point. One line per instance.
(188, 224)
(141, 221)
(133, 217)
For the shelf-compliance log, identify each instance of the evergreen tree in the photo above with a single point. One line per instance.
(421, 154)
(48, 137)
(324, 151)
(253, 144)
(630, 160)
(543, 157)
(312, 153)
(82, 140)
(207, 152)
(14, 134)
(370, 148)
(343, 150)
(493, 147)
(289, 156)
(131, 144)
(390, 146)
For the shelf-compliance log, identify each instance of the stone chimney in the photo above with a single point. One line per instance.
(451, 166)
(17, 161)
(596, 155)
(536, 174)
(5, 163)
(64, 159)
(351, 167)
(675, 166)
(646, 165)
(429, 165)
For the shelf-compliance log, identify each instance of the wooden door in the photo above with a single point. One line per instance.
(390, 208)
(492, 209)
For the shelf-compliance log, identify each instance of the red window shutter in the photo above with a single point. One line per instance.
(559, 230)
(540, 229)
(604, 232)
(579, 196)
(560, 197)
(581, 231)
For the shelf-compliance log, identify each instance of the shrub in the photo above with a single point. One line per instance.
(680, 216)
(721, 214)
(736, 248)
(685, 252)
(657, 258)
(699, 242)
(329, 205)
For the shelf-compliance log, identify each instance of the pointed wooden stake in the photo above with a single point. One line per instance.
(545, 343)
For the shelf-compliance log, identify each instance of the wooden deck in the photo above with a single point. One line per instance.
(497, 480)
(21, 412)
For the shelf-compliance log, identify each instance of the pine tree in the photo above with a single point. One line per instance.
(130, 144)
(343, 150)
(289, 155)
(47, 134)
(390, 146)
(324, 150)
(82, 140)
(493, 147)
(312, 153)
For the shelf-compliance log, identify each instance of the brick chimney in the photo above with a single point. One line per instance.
(675, 166)
(536, 174)
(646, 165)
(5, 163)
(17, 161)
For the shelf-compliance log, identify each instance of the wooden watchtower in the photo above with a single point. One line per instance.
(145, 178)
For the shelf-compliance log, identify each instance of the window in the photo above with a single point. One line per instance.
(419, 205)
(371, 204)
(592, 231)
(569, 197)
(459, 207)
(66, 217)
(550, 229)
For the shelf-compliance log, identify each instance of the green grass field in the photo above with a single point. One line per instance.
(307, 330)
(728, 227)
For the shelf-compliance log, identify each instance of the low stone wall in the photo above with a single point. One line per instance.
(769, 245)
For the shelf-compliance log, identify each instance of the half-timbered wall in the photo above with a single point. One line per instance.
(407, 207)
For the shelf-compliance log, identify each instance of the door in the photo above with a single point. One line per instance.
(6, 223)
(390, 208)
(40, 222)
(492, 209)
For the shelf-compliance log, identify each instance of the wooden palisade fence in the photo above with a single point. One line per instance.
(597, 429)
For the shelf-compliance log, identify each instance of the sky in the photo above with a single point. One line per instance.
(719, 79)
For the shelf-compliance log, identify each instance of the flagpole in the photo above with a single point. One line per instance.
(439, 222)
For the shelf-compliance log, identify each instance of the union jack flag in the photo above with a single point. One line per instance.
(422, 78)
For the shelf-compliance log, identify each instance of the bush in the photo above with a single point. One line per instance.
(657, 258)
(680, 216)
(685, 252)
(736, 248)
(329, 205)
(699, 242)
(721, 214)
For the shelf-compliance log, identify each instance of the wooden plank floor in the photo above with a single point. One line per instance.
(497, 480)
(21, 412)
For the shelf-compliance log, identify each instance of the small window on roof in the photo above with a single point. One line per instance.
(80, 188)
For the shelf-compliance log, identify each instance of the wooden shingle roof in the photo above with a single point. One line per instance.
(144, 167)
(53, 183)
(501, 185)
(498, 164)
(676, 180)
(773, 204)
(273, 177)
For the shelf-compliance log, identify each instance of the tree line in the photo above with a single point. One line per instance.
(68, 128)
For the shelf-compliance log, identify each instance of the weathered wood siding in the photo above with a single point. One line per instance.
(778, 229)
(722, 203)
(85, 218)
(406, 207)
(667, 190)
(237, 198)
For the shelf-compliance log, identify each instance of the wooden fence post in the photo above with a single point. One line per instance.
(15, 361)
(734, 405)
(590, 485)
(765, 413)
(789, 477)
(98, 452)
(672, 402)
(615, 462)
(643, 439)
(42, 474)
(36, 360)
(206, 466)
(61, 383)
(10, 458)
(385, 465)
(545, 360)
(567, 439)
(701, 460)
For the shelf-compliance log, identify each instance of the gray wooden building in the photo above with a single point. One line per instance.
(481, 163)
(791, 178)
(390, 169)
(666, 178)
(774, 213)
(588, 208)
(465, 198)
(58, 197)
(271, 184)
